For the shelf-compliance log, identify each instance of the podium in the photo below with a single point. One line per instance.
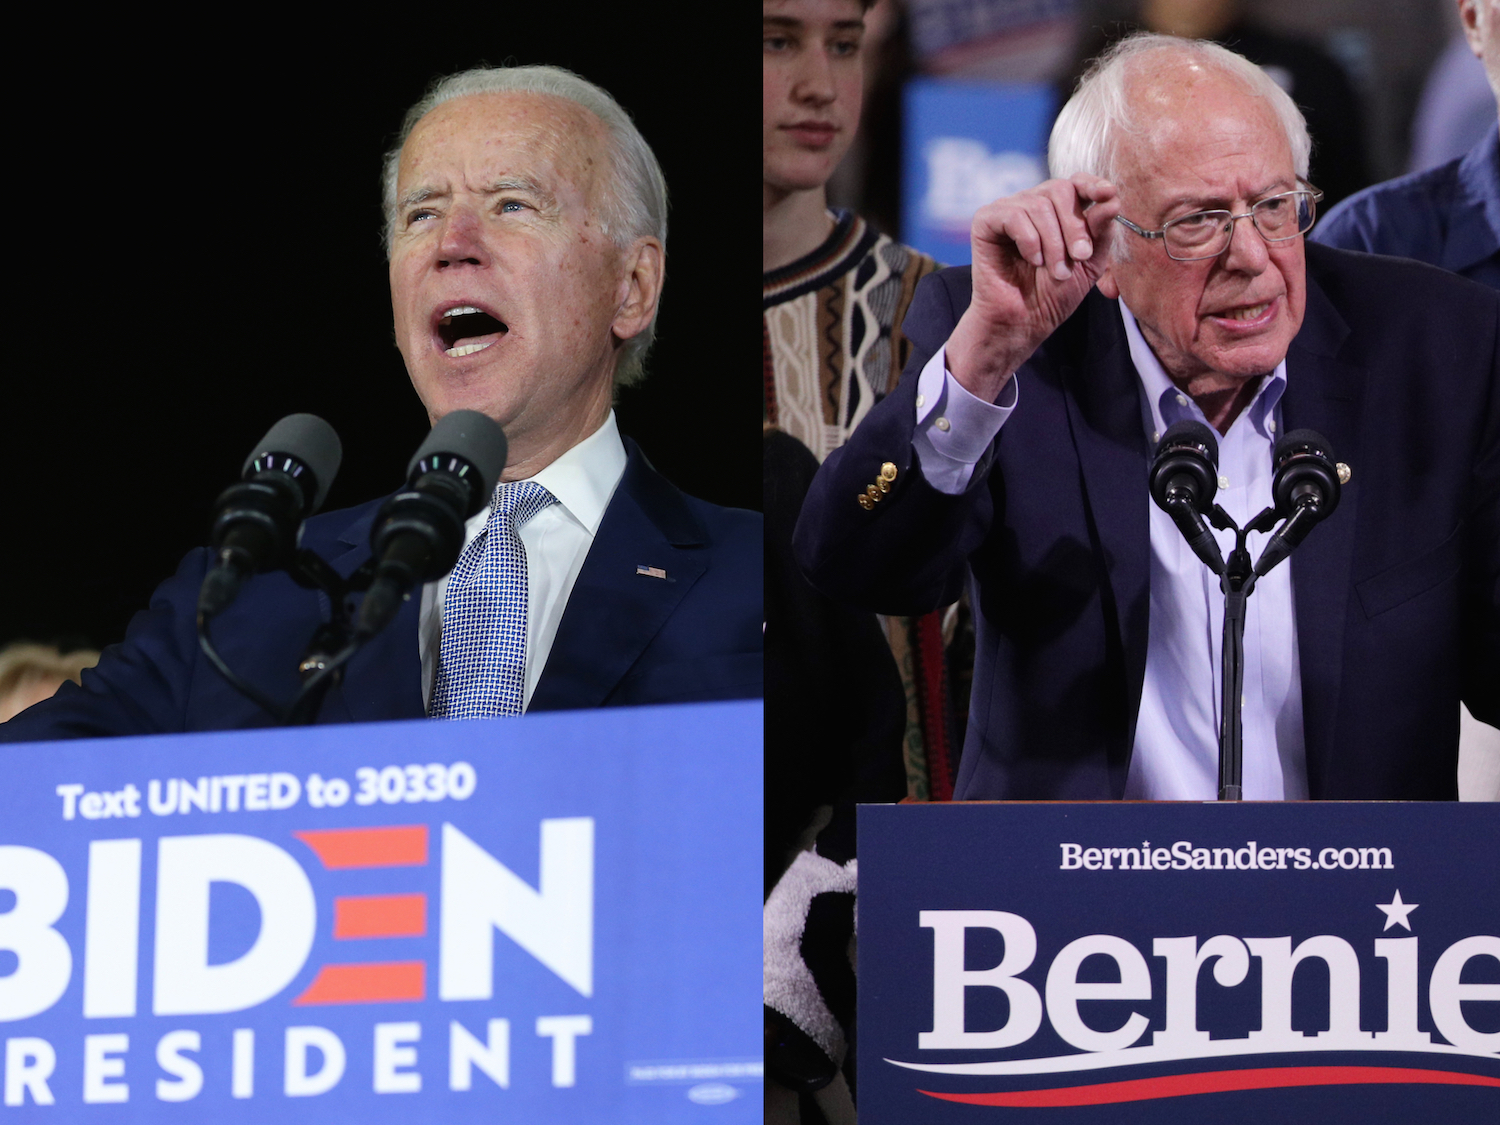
(547, 919)
(1179, 962)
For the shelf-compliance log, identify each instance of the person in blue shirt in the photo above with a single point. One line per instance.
(1448, 216)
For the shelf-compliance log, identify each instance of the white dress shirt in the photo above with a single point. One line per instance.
(1176, 749)
(1176, 753)
(556, 539)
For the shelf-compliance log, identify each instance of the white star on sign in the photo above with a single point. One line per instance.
(1396, 912)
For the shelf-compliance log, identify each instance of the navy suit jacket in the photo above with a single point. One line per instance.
(1397, 594)
(625, 638)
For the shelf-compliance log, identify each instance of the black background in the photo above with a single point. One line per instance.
(194, 251)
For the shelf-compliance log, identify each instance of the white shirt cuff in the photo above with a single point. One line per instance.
(954, 427)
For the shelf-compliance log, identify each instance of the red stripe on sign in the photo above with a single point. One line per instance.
(373, 916)
(1217, 1082)
(367, 984)
(405, 846)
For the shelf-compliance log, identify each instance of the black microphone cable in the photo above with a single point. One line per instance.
(1184, 478)
(256, 522)
(1305, 489)
(284, 480)
(419, 532)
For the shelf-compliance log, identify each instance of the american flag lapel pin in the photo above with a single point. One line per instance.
(651, 571)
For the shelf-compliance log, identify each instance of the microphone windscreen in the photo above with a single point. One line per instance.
(475, 437)
(1191, 431)
(1302, 441)
(311, 441)
(1304, 467)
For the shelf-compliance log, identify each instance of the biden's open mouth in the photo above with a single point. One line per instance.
(465, 330)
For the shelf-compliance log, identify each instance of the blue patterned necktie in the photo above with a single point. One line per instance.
(482, 662)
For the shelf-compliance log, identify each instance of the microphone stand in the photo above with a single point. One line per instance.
(1305, 485)
(419, 528)
(330, 649)
(334, 642)
(1237, 581)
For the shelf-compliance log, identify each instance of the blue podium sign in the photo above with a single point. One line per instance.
(965, 144)
(1116, 963)
(553, 919)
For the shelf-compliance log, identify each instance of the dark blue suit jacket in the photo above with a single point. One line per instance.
(624, 638)
(1397, 594)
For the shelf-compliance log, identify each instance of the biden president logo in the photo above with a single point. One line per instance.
(553, 919)
(263, 888)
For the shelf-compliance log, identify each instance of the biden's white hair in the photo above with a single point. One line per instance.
(635, 198)
(1098, 117)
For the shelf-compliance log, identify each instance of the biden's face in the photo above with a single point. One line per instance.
(509, 298)
(1206, 143)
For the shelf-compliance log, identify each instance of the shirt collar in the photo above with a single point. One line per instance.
(1163, 403)
(583, 479)
(848, 242)
(1474, 231)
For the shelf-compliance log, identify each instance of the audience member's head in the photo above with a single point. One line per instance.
(31, 673)
(812, 88)
(1191, 19)
(1481, 20)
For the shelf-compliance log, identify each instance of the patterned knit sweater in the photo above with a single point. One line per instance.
(833, 343)
(832, 349)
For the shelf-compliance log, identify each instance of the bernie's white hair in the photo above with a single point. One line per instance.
(1089, 130)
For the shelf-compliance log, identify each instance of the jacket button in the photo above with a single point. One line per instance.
(888, 471)
(865, 502)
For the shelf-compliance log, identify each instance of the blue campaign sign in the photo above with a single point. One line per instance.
(552, 919)
(1112, 963)
(964, 145)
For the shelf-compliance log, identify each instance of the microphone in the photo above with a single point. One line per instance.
(284, 480)
(1184, 477)
(1305, 488)
(419, 532)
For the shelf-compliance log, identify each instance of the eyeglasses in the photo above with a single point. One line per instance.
(1206, 234)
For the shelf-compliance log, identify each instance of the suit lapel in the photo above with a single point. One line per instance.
(1104, 413)
(1323, 394)
(613, 611)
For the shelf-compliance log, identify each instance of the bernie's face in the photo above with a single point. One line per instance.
(1206, 143)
